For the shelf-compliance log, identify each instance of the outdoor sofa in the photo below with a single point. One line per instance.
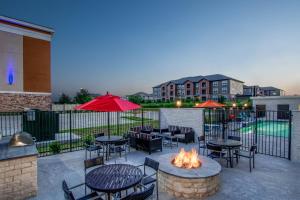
(142, 138)
(184, 134)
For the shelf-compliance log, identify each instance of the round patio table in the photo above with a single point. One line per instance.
(108, 140)
(226, 144)
(113, 178)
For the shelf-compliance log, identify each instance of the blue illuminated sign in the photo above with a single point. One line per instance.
(10, 75)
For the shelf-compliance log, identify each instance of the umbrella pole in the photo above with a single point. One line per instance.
(108, 124)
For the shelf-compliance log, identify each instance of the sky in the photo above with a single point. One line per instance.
(127, 46)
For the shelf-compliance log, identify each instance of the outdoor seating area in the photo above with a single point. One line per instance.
(237, 182)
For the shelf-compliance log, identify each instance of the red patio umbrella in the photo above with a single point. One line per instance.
(108, 103)
(210, 104)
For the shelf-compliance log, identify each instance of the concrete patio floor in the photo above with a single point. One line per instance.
(273, 178)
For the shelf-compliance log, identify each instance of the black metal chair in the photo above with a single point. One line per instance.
(119, 147)
(90, 163)
(70, 196)
(93, 146)
(248, 154)
(201, 143)
(216, 152)
(150, 178)
(233, 137)
(145, 193)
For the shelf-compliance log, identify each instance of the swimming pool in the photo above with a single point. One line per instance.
(270, 128)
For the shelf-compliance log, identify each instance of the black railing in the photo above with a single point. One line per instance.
(69, 130)
(269, 130)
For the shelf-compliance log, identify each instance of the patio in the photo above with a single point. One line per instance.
(272, 178)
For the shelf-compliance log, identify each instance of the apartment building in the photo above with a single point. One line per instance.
(199, 87)
(25, 67)
(253, 91)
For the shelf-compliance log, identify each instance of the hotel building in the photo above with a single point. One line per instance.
(25, 66)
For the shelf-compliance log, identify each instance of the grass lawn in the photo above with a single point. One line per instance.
(272, 128)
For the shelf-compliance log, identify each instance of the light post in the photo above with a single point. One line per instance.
(178, 103)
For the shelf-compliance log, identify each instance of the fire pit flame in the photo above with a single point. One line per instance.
(187, 159)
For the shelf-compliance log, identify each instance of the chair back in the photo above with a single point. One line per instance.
(98, 135)
(201, 138)
(253, 148)
(67, 193)
(151, 163)
(93, 162)
(140, 195)
(121, 142)
(213, 147)
(232, 137)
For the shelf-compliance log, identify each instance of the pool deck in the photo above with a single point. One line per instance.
(273, 178)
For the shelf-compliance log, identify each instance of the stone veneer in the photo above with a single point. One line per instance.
(18, 178)
(188, 188)
(15, 102)
(188, 184)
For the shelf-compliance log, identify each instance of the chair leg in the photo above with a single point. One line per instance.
(157, 189)
(253, 162)
(250, 164)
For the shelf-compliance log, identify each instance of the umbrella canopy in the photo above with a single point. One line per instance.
(108, 103)
(210, 104)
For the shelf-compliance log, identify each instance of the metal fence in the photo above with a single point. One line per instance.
(269, 130)
(70, 129)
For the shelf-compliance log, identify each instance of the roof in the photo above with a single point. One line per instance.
(141, 93)
(270, 88)
(213, 77)
(25, 24)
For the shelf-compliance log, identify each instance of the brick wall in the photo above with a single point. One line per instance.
(295, 148)
(18, 178)
(15, 102)
(187, 117)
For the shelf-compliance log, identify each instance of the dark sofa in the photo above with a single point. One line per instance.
(142, 139)
(184, 134)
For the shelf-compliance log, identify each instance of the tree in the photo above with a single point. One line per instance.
(82, 96)
(64, 99)
(135, 99)
(221, 99)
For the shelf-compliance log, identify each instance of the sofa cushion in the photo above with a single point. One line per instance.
(180, 136)
(184, 130)
(146, 136)
(173, 128)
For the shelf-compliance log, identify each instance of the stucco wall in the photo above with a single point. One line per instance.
(272, 102)
(187, 117)
(295, 148)
(11, 61)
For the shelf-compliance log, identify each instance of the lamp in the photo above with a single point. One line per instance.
(234, 105)
(178, 103)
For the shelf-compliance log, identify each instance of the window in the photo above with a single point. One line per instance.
(260, 110)
(215, 91)
(203, 91)
(171, 87)
(188, 92)
(224, 90)
(225, 83)
(203, 84)
(171, 93)
(163, 94)
(197, 91)
(283, 111)
(196, 85)
(188, 85)
(215, 83)
(163, 88)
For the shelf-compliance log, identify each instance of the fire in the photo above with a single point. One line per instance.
(187, 159)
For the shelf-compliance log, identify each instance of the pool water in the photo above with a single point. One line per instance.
(272, 128)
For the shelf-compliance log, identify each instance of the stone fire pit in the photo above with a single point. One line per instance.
(189, 183)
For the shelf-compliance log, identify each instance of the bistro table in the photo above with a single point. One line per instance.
(107, 141)
(113, 178)
(226, 144)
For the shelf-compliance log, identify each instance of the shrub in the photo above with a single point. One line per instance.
(55, 147)
(88, 139)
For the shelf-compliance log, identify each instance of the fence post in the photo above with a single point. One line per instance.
(70, 129)
(142, 118)
(255, 128)
(290, 134)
